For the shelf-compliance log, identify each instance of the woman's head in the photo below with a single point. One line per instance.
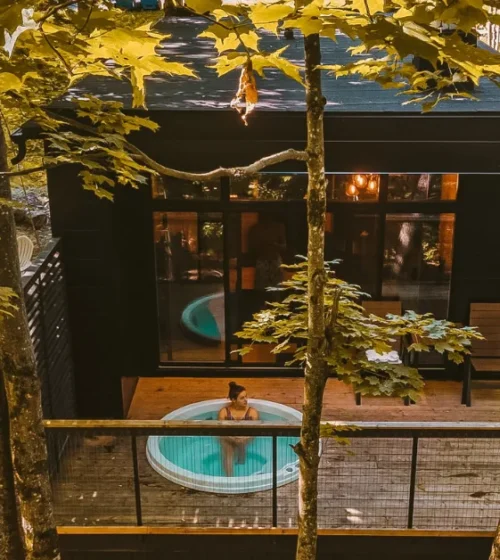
(237, 394)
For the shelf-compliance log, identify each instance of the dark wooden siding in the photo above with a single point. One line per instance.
(85, 225)
(476, 269)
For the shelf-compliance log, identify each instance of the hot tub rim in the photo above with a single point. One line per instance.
(219, 484)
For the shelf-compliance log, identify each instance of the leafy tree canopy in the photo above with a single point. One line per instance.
(48, 46)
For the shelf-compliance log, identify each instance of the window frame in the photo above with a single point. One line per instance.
(227, 206)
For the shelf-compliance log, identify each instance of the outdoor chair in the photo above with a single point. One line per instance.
(484, 362)
(382, 308)
(25, 251)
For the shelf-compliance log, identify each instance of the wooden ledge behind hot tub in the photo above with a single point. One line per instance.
(441, 401)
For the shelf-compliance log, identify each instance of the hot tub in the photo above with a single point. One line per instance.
(203, 318)
(196, 461)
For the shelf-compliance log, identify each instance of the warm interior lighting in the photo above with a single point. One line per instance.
(360, 181)
(372, 185)
(351, 190)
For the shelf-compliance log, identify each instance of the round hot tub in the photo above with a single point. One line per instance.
(196, 461)
(203, 319)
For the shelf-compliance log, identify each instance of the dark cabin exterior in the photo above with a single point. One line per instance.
(127, 301)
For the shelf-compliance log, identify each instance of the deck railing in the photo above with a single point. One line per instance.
(406, 478)
(47, 308)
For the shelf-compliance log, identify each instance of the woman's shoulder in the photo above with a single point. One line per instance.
(253, 413)
(223, 413)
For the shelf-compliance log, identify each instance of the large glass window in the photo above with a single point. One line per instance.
(418, 252)
(422, 187)
(260, 243)
(354, 239)
(392, 250)
(189, 276)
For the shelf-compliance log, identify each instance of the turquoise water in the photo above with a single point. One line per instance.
(202, 454)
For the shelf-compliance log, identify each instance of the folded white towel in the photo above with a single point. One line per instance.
(387, 357)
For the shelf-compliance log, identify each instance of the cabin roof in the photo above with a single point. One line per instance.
(276, 91)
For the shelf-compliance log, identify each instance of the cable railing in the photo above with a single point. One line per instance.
(207, 475)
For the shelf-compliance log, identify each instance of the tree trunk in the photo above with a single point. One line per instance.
(10, 539)
(495, 548)
(315, 369)
(28, 450)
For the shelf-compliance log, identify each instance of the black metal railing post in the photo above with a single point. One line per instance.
(137, 483)
(413, 481)
(275, 481)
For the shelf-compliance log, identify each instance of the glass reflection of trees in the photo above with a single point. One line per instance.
(417, 261)
(423, 186)
(270, 186)
(176, 189)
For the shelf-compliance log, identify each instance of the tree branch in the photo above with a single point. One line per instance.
(56, 52)
(52, 11)
(245, 171)
(29, 170)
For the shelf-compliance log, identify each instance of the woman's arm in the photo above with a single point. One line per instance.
(222, 414)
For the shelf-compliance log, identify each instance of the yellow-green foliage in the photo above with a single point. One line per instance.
(350, 332)
(46, 47)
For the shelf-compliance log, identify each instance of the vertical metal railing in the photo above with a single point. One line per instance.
(137, 482)
(393, 476)
(44, 286)
(413, 481)
(275, 481)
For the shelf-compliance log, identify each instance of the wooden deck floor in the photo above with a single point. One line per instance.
(366, 486)
(155, 397)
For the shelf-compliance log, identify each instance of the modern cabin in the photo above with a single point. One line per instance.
(159, 281)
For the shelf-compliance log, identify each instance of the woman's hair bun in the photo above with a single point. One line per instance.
(235, 390)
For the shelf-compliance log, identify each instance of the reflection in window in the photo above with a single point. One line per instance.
(259, 243)
(189, 277)
(354, 188)
(354, 240)
(270, 186)
(175, 189)
(418, 256)
(422, 187)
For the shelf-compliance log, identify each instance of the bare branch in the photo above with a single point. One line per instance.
(245, 171)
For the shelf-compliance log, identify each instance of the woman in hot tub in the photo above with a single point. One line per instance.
(238, 409)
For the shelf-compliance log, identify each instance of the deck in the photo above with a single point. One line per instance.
(441, 400)
(363, 487)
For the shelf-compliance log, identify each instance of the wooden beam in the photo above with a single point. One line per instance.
(196, 425)
(148, 530)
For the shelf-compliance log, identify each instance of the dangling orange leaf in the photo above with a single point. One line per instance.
(247, 96)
